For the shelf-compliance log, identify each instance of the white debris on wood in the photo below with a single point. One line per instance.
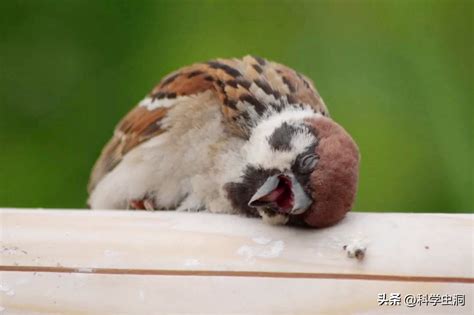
(262, 240)
(270, 250)
(5, 289)
(356, 249)
(13, 250)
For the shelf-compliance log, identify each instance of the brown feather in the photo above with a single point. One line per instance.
(334, 181)
(230, 80)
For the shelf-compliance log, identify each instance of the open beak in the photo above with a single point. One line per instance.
(282, 193)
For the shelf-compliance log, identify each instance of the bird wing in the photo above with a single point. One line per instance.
(247, 89)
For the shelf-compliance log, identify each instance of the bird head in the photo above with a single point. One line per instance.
(302, 167)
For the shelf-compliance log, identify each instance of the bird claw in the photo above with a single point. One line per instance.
(142, 204)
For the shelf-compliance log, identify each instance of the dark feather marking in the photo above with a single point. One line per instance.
(259, 107)
(288, 83)
(159, 95)
(208, 78)
(170, 79)
(221, 84)
(276, 107)
(240, 194)
(298, 221)
(269, 212)
(230, 103)
(227, 69)
(257, 68)
(151, 129)
(260, 60)
(304, 80)
(267, 88)
(281, 137)
(243, 82)
(291, 99)
(194, 73)
(232, 83)
(264, 86)
(245, 116)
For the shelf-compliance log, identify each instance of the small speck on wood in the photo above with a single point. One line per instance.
(355, 250)
(359, 254)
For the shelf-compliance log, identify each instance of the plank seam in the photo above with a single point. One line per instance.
(226, 273)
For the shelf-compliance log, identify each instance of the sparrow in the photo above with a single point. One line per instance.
(246, 136)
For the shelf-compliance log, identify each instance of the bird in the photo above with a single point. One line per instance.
(242, 136)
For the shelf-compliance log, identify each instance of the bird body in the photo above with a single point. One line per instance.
(232, 136)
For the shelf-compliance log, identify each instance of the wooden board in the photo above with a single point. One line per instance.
(56, 293)
(117, 262)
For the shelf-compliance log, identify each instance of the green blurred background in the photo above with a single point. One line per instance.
(396, 74)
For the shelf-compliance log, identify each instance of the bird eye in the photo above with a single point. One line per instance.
(308, 162)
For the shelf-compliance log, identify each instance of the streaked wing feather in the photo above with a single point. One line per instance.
(247, 89)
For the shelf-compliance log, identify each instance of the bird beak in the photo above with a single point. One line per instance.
(282, 193)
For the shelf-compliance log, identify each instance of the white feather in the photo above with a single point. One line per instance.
(187, 166)
(153, 103)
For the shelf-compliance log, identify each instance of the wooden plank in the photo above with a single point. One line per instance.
(112, 262)
(437, 246)
(67, 294)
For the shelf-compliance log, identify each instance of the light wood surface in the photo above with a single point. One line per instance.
(118, 262)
